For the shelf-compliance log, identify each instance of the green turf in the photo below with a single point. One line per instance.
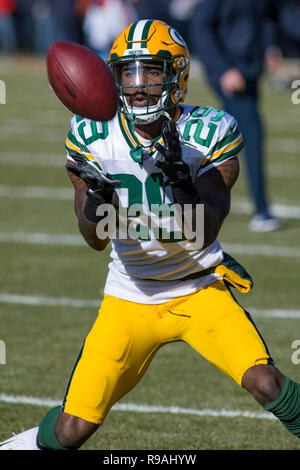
(42, 342)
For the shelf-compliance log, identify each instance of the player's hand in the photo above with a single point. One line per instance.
(232, 81)
(98, 185)
(169, 158)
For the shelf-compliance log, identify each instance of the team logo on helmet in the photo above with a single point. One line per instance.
(177, 38)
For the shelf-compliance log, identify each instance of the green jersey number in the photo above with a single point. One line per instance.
(92, 132)
(194, 127)
(155, 204)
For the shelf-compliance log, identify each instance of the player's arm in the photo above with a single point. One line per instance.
(211, 189)
(87, 229)
(91, 190)
(214, 192)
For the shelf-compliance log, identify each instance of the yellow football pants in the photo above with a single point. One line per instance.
(126, 336)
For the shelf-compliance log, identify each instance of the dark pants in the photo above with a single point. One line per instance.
(243, 107)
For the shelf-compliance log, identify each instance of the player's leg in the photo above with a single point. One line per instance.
(224, 333)
(277, 393)
(115, 356)
(59, 430)
(264, 382)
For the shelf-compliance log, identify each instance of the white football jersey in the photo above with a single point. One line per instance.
(152, 260)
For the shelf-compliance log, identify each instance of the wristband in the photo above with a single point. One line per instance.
(185, 193)
(91, 205)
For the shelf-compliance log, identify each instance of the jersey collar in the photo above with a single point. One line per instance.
(132, 139)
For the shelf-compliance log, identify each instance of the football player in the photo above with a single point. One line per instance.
(162, 286)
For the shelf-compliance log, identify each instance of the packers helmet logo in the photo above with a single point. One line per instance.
(177, 38)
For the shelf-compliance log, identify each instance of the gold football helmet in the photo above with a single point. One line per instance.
(142, 44)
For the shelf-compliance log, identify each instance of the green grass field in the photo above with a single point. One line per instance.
(43, 339)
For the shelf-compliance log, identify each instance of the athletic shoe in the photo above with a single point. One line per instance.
(264, 223)
(26, 440)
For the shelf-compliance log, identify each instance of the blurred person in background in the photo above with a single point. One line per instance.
(35, 26)
(284, 30)
(67, 22)
(177, 12)
(157, 9)
(39, 22)
(181, 13)
(103, 20)
(230, 42)
(289, 18)
(43, 25)
(8, 37)
(24, 24)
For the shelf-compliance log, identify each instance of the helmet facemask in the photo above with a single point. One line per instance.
(143, 44)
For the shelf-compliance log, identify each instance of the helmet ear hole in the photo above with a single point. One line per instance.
(176, 96)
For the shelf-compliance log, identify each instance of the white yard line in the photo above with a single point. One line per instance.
(284, 145)
(133, 407)
(275, 170)
(262, 250)
(280, 170)
(26, 134)
(67, 193)
(77, 240)
(275, 313)
(41, 239)
(36, 192)
(28, 159)
(279, 210)
(47, 301)
(38, 300)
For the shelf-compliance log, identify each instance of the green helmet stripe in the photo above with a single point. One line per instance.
(138, 33)
(130, 35)
(146, 32)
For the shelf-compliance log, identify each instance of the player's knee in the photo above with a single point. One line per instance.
(264, 382)
(72, 432)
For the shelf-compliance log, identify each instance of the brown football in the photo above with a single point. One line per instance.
(82, 81)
